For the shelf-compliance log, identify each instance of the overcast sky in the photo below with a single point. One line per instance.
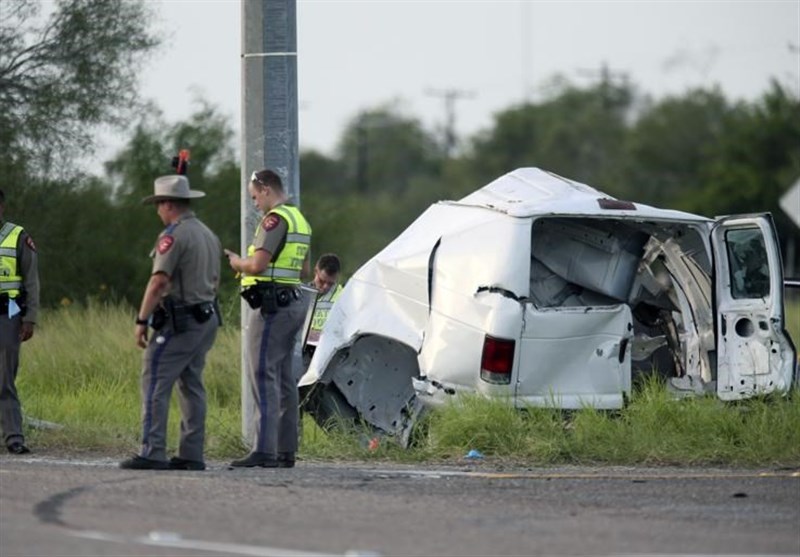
(354, 55)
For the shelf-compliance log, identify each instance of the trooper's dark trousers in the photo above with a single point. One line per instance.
(10, 409)
(270, 347)
(176, 358)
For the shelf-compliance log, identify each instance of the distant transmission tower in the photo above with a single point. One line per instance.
(450, 97)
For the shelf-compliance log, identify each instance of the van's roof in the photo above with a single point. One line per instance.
(528, 192)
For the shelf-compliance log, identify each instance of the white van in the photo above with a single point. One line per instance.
(545, 291)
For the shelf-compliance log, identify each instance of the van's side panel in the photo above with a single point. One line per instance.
(478, 277)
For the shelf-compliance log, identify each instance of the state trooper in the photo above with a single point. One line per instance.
(19, 305)
(271, 279)
(180, 304)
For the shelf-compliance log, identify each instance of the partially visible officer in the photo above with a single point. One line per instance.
(180, 304)
(326, 282)
(272, 271)
(19, 305)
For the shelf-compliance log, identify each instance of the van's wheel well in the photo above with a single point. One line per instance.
(368, 381)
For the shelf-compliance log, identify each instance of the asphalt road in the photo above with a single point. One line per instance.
(59, 507)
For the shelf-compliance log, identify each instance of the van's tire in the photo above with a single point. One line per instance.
(328, 406)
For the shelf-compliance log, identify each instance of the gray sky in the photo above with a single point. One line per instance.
(359, 54)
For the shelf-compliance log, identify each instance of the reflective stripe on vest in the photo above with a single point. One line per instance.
(10, 280)
(286, 268)
(323, 307)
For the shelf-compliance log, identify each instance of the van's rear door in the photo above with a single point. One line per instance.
(574, 357)
(754, 353)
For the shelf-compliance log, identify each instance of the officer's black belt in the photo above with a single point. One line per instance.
(4, 298)
(294, 293)
(201, 311)
(270, 295)
(179, 313)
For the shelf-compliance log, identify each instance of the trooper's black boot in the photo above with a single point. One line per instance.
(178, 463)
(137, 462)
(285, 460)
(18, 448)
(264, 460)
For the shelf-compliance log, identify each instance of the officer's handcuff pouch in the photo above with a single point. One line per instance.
(253, 296)
(283, 296)
(159, 318)
(204, 311)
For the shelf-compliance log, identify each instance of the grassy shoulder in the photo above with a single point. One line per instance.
(82, 369)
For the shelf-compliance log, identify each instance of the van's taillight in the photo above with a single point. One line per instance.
(497, 360)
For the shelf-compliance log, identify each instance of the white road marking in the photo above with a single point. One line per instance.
(175, 541)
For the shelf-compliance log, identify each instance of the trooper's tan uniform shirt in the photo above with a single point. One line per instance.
(189, 253)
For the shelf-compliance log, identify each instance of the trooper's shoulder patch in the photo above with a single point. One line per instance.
(164, 243)
(29, 243)
(270, 222)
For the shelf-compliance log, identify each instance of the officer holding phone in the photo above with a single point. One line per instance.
(271, 279)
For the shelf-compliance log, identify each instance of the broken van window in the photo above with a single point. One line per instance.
(749, 267)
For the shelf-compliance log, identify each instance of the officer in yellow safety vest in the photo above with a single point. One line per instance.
(271, 273)
(326, 282)
(19, 304)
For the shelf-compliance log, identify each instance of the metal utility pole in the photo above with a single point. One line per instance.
(450, 97)
(269, 124)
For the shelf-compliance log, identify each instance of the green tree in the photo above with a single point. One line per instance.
(382, 150)
(62, 74)
(321, 175)
(385, 173)
(578, 133)
(79, 237)
(94, 235)
(671, 145)
(755, 161)
(212, 169)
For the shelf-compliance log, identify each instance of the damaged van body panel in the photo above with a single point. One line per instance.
(544, 291)
(755, 355)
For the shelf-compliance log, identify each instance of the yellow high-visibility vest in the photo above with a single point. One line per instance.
(322, 309)
(287, 267)
(10, 279)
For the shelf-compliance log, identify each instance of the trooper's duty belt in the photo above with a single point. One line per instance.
(20, 300)
(179, 314)
(269, 296)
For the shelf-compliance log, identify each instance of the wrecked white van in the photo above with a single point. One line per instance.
(545, 291)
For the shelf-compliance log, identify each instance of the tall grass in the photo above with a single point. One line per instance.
(82, 370)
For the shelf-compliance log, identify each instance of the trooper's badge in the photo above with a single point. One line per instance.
(164, 243)
(29, 242)
(270, 222)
